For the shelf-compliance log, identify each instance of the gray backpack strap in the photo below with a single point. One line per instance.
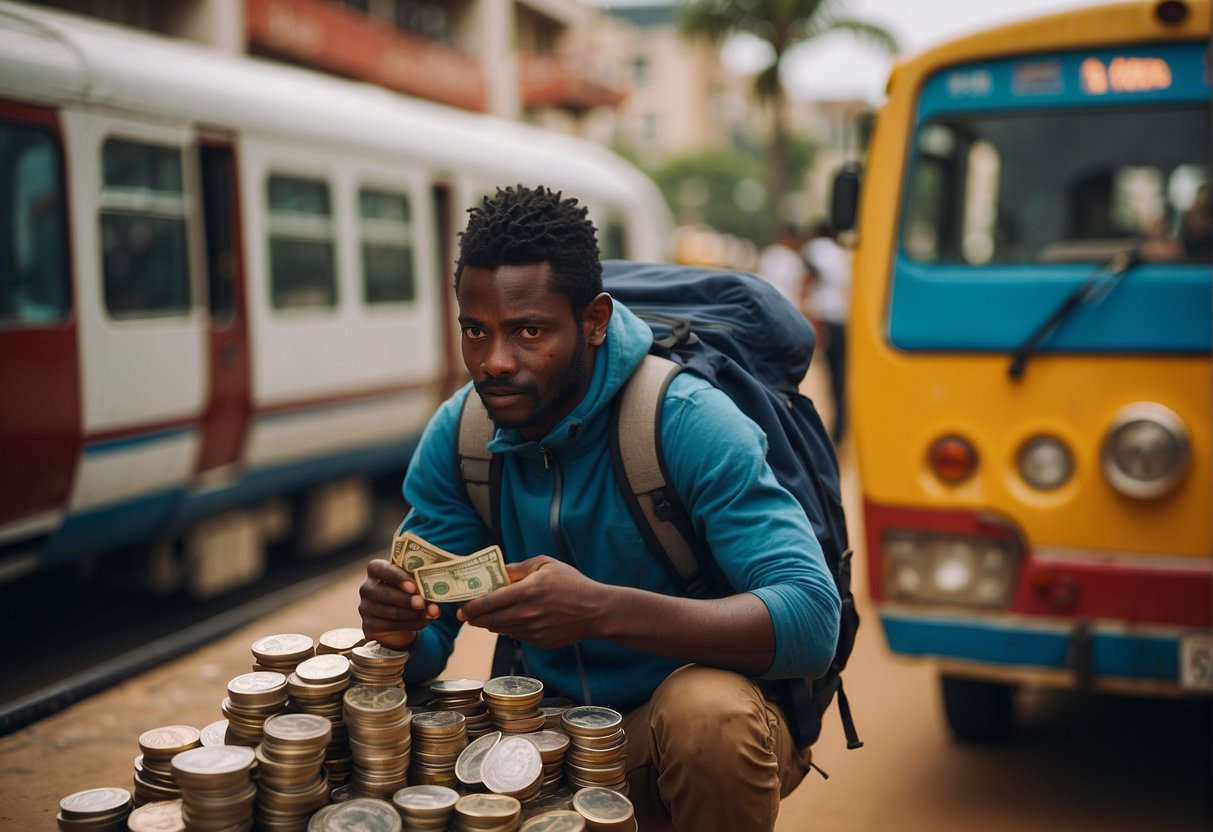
(641, 473)
(479, 468)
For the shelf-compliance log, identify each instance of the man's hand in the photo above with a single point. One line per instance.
(548, 604)
(392, 610)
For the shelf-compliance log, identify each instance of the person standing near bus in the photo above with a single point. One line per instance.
(829, 304)
(598, 618)
(782, 265)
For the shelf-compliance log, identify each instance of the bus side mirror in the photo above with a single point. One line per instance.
(844, 199)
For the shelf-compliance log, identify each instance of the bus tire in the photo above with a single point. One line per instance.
(978, 711)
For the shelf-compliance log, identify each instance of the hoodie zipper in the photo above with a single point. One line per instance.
(551, 463)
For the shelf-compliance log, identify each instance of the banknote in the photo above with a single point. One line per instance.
(463, 579)
(411, 552)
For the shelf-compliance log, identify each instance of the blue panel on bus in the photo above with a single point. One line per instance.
(1155, 308)
(1150, 74)
(1128, 656)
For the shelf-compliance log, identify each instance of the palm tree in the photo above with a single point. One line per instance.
(782, 24)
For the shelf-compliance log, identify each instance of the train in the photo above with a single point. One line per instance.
(226, 302)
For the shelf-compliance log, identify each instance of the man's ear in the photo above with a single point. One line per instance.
(595, 319)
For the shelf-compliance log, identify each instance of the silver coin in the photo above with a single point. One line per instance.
(364, 814)
(600, 805)
(511, 766)
(216, 759)
(297, 727)
(467, 767)
(513, 686)
(94, 801)
(425, 797)
(257, 682)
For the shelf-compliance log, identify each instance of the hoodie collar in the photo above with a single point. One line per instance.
(627, 342)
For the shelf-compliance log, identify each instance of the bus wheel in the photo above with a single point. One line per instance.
(978, 712)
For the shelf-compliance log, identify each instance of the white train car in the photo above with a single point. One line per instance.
(225, 296)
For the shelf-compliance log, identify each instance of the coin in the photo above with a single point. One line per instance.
(213, 767)
(467, 767)
(488, 806)
(162, 743)
(513, 687)
(340, 640)
(425, 801)
(214, 734)
(160, 816)
(512, 766)
(283, 646)
(91, 802)
(364, 814)
(558, 821)
(599, 805)
(322, 670)
(448, 686)
(591, 720)
(301, 728)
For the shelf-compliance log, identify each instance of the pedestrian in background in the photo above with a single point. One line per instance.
(782, 265)
(829, 303)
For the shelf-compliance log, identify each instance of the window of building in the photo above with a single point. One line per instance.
(34, 278)
(386, 232)
(303, 269)
(144, 251)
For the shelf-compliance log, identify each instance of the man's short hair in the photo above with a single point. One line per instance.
(519, 226)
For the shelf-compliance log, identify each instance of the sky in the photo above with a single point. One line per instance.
(837, 66)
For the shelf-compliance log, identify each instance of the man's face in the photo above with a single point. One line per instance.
(526, 353)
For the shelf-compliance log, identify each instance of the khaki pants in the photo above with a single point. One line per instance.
(709, 752)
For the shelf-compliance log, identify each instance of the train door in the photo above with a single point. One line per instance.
(228, 410)
(39, 370)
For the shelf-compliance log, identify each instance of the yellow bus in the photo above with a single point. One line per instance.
(1030, 358)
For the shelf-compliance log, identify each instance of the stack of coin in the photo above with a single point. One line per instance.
(154, 767)
(282, 653)
(552, 746)
(467, 767)
(486, 813)
(598, 749)
(380, 738)
(605, 810)
(161, 816)
(292, 782)
(562, 820)
(439, 737)
(561, 800)
(362, 814)
(316, 687)
(216, 791)
(252, 698)
(374, 664)
(95, 810)
(513, 767)
(341, 640)
(424, 808)
(514, 703)
(463, 695)
(551, 716)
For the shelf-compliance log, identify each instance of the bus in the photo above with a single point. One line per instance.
(1030, 358)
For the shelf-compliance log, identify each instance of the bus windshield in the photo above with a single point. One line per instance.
(1059, 186)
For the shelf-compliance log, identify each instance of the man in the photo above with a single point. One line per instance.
(599, 620)
(782, 265)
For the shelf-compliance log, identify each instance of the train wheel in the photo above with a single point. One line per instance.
(978, 711)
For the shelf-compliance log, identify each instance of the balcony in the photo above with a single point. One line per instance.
(346, 42)
(558, 81)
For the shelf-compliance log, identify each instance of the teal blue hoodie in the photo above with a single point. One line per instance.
(716, 457)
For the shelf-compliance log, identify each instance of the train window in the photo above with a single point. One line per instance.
(34, 277)
(387, 247)
(143, 232)
(303, 270)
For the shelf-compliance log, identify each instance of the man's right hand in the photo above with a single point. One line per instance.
(392, 610)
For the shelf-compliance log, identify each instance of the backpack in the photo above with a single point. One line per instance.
(742, 335)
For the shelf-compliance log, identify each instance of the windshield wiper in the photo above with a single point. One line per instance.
(1091, 291)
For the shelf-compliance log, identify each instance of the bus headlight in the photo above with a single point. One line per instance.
(1045, 463)
(1145, 451)
(976, 571)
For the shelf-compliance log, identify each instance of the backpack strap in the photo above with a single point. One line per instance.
(479, 468)
(641, 474)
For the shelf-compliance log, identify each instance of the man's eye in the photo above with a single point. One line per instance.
(529, 333)
(473, 333)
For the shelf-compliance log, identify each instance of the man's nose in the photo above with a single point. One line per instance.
(498, 359)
